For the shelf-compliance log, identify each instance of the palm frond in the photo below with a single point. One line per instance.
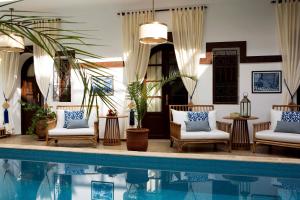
(63, 40)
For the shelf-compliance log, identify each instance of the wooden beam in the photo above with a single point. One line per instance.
(107, 64)
(242, 46)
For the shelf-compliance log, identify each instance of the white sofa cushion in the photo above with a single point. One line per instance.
(92, 118)
(180, 117)
(212, 119)
(214, 134)
(278, 136)
(70, 132)
(60, 115)
(275, 116)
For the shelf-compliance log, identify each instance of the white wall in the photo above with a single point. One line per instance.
(231, 20)
(237, 22)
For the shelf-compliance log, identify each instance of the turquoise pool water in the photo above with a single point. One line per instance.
(45, 175)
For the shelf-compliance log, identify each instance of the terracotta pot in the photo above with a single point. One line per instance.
(137, 139)
(43, 126)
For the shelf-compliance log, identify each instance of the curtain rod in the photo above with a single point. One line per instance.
(161, 10)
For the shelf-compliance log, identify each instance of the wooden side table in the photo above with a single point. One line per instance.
(112, 130)
(240, 132)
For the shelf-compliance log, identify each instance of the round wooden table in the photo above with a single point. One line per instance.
(112, 130)
(240, 132)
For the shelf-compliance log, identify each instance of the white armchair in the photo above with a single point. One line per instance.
(263, 133)
(60, 133)
(220, 131)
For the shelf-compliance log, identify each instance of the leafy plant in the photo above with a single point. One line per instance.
(140, 90)
(52, 39)
(40, 113)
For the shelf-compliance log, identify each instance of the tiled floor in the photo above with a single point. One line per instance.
(161, 148)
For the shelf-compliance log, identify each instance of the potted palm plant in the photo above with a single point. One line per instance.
(43, 120)
(137, 138)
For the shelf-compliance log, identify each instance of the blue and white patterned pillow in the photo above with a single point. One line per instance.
(290, 116)
(197, 116)
(72, 115)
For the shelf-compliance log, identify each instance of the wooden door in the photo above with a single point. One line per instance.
(162, 63)
(30, 93)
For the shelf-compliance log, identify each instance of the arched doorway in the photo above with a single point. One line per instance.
(162, 63)
(30, 93)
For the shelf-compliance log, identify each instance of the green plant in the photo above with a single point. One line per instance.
(64, 40)
(140, 90)
(40, 113)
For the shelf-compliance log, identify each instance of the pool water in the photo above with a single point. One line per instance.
(43, 175)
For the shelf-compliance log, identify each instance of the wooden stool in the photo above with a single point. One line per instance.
(112, 131)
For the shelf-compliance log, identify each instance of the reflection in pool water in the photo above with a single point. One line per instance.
(26, 180)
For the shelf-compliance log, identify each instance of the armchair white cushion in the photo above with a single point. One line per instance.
(275, 116)
(60, 131)
(179, 117)
(60, 117)
(278, 136)
(213, 134)
(64, 131)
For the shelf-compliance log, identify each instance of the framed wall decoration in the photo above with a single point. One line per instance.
(104, 84)
(266, 81)
(102, 190)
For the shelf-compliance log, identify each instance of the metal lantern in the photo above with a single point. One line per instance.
(245, 106)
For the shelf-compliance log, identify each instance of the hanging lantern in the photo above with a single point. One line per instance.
(245, 106)
(12, 43)
(153, 32)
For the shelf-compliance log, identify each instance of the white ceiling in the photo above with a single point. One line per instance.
(52, 5)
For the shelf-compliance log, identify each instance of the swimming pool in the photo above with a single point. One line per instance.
(45, 175)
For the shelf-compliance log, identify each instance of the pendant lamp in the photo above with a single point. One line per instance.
(11, 42)
(153, 32)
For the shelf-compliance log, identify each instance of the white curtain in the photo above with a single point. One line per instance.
(9, 70)
(43, 62)
(288, 24)
(187, 32)
(135, 55)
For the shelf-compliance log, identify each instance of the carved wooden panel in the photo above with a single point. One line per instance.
(242, 46)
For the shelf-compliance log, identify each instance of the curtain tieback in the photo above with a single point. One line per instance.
(5, 112)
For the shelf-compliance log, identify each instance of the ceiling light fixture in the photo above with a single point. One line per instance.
(153, 32)
(11, 42)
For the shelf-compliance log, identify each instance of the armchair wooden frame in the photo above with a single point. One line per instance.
(266, 126)
(175, 129)
(94, 139)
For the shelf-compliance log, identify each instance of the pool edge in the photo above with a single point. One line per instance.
(203, 156)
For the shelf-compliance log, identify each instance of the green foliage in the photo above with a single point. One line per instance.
(40, 113)
(139, 92)
(52, 39)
